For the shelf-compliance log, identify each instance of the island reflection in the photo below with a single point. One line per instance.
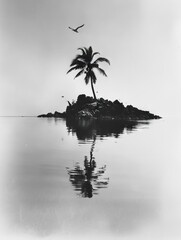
(88, 180)
(86, 129)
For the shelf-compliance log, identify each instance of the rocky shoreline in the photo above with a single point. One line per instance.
(87, 107)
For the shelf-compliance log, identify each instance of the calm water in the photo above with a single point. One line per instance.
(89, 180)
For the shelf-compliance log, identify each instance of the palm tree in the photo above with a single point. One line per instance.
(86, 64)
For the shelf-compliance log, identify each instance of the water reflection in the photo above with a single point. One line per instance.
(39, 196)
(87, 181)
(88, 128)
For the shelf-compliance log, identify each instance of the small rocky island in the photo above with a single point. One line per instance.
(88, 107)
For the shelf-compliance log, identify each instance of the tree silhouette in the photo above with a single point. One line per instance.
(87, 181)
(86, 64)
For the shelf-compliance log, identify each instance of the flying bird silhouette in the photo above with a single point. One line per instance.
(76, 29)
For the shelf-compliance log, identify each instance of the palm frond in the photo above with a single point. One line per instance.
(102, 59)
(94, 65)
(93, 76)
(79, 73)
(90, 50)
(89, 54)
(86, 51)
(77, 61)
(74, 68)
(83, 51)
(87, 77)
(84, 63)
(102, 71)
(95, 54)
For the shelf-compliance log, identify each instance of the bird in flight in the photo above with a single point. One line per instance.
(76, 29)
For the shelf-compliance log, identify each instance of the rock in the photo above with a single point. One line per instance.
(83, 100)
(58, 114)
(116, 102)
(104, 108)
(87, 107)
(42, 115)
(92, 105)
(49, 114)
(55, 115)
(85, 113)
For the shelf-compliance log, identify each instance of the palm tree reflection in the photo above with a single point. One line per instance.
(87, 181)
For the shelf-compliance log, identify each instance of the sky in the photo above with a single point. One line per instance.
(141, 38)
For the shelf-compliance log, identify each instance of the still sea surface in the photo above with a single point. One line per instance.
(89, 179)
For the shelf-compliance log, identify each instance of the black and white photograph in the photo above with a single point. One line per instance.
(90, 113)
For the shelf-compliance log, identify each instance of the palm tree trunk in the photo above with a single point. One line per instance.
(92, 86)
